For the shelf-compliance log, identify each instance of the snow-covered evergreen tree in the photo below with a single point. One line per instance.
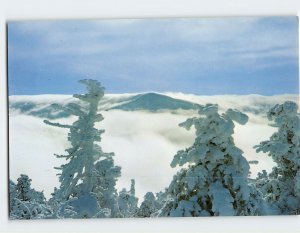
(25, 202)
(78, 177)
(215, 178)
(23, 188)
(149, 206)
(281, 186)
(104, 185)
(128, 201)
(13, 196)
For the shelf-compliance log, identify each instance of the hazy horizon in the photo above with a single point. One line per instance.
(167, 92)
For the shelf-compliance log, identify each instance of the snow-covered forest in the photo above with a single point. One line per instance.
(213, 176)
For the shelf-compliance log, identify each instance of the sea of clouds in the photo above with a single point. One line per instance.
(144, 142)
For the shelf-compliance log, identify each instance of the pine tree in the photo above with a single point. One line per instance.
(104, 185)
(23, 188)
(78, 177)
(282, 186)
(25, 202)
(128, 201)
(215, 178)
(149, 206)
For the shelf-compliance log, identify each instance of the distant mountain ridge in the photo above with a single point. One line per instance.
(51, 106)
(52, 109)
(155, 102)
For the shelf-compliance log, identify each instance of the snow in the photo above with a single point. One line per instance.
(284, 150)
(146, 141)
(85, 207)
(222, 203)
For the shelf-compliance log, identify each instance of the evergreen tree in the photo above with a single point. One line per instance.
(104, 185)
(78, 177)
(281, 186)
(24, 192)
(128, 201)
(149, 206)
(25, 202)
(23, 188)
(161, 199)
(13, 195)
(215, 178)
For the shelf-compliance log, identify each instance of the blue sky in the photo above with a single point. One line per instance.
(206, 56)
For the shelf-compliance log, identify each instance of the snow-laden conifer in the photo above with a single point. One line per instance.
(79, 178)
(149, 206)
(214, 180)
(281, 186)
(105, 185)
(25, 202)
(128, 201)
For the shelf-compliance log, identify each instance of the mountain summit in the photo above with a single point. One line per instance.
(154, 102)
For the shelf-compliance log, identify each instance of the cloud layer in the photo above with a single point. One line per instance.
(144, 143)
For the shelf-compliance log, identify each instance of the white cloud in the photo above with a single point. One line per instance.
(32, 145)
(96, 46)
(144, 143)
